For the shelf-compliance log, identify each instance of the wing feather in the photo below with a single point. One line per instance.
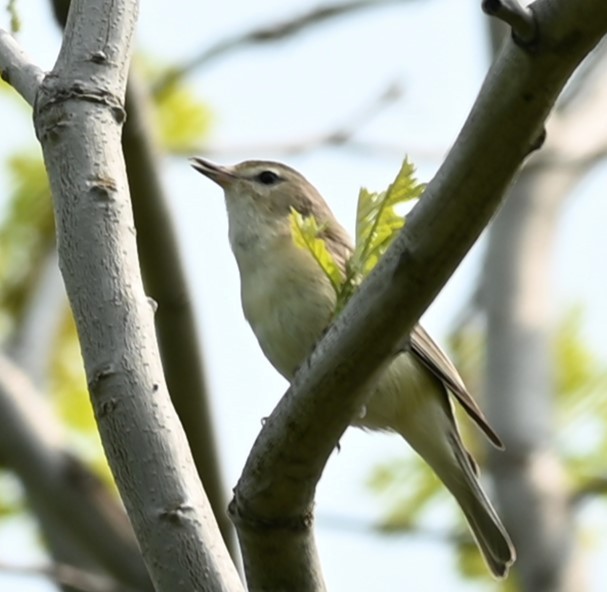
(436, 361)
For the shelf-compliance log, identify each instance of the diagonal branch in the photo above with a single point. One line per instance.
(61, 489)
(66, 575)
(272, 505)
(341, 135)
(17, 69)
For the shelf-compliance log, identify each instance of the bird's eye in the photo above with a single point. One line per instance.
(267, 177)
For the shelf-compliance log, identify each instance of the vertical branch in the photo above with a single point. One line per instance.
(517, 293)
(529, 477)
(78, 117)
(165, 282)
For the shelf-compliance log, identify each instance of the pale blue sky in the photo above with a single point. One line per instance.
(437, 50)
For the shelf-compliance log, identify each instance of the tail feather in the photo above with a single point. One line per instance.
(487, 528)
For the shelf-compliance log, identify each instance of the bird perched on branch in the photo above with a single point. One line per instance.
(289, 302)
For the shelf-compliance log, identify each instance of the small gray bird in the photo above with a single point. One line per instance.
(289, 302)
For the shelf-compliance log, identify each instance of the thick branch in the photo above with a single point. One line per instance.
(165, 282)
(530, 480)
(272, 506)
(78, 117)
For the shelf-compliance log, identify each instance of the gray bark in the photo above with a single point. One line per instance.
(165, 282)
(273, 499)
(78, 118)
(529, 478)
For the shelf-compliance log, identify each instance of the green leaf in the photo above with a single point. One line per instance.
(377, 219)
(306, 234)
(15, 22)
(377, 224)
(181, 119)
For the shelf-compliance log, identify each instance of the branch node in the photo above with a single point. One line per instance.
(244, 519)
(102, 190)
(178, 514)
(153, 304)
(519, 18)
(118, 113)
(107, 407)
(102, 373)
(99, 57)
(538, 141)
(56, 93)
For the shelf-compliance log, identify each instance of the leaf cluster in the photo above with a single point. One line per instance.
(378, 222)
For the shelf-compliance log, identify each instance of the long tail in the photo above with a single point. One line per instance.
(410, 401)
(487, 528)
(453, 465)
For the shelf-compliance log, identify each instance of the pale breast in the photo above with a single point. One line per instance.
(287, 300)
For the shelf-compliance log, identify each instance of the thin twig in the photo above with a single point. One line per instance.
(593, 487)
(66, 575)
(265, 34)
(17, 69)
(520, 18)
(340, 135)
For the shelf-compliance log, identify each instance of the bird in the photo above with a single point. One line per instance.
(289, 302)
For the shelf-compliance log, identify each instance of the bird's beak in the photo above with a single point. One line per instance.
(221, 175)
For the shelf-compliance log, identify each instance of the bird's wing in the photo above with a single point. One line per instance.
(421, 345)
(434, 359)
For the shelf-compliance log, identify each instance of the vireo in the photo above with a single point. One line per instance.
(289, 302)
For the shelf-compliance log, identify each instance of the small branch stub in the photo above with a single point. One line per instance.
(520, 19)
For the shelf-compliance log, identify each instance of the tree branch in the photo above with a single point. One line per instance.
(94, 528)
(67, 575)
(341, 135)
(589, 488)
(272, 505)
(518, 17)
(17, 69)
(266, 34)
(165, 282)
(78, 118)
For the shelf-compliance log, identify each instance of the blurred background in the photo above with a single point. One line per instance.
(342, 92)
